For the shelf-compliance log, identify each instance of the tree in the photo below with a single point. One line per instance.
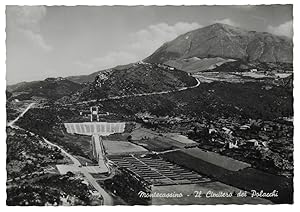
(129, 138)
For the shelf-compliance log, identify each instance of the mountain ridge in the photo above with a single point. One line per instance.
(228, 42)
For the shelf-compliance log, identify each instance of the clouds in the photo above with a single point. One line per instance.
(141, 44)
(109, 60)
(226, 21)
(26, 16)
(152, 37)
(285, 29)
(25, 21)
(113, 58)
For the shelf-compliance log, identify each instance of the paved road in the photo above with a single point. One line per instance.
(107, 199)
(10, 124)
(136, 95)
(74, 160)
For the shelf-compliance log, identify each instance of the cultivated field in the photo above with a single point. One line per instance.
(159, 142)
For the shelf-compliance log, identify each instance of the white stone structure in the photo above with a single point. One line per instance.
(96, 130)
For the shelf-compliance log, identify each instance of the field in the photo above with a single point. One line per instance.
(222, 77)
(121, 147)
(156, 144)
(143, 133)
(78, 145)
(159, 142)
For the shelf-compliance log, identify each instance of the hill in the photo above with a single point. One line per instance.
(50, 88)
(91, 77)
(133, 79)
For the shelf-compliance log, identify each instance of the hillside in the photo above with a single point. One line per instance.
(213, 100)
(50, 88)
(13, 87)
(240, 66)
(135, 79)
(196, 64)
(91, 77)
(227, 42)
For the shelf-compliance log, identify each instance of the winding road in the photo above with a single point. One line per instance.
(107, 199)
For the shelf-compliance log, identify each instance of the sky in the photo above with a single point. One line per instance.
(60, 41)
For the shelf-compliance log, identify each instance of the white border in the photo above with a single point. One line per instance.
(243, 208)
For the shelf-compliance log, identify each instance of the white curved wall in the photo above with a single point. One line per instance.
(95, 128)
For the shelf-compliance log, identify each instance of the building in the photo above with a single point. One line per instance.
(244, 127)
(94, 113)
(253, 142)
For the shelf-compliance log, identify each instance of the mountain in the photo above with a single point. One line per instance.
(209, 47)
(227, 42)
(50, 88)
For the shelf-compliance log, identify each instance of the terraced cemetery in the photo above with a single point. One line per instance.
(157, 171)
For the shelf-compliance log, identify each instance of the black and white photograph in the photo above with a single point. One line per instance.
(149, 105)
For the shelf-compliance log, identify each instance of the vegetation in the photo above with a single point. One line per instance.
(50, 190)
(127, 185)
(135, 79)
(212, 100)
(50, 88)
(240, 66)
(31, 175)
(27, 153)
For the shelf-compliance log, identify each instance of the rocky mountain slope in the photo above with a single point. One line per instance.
(227, 42)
